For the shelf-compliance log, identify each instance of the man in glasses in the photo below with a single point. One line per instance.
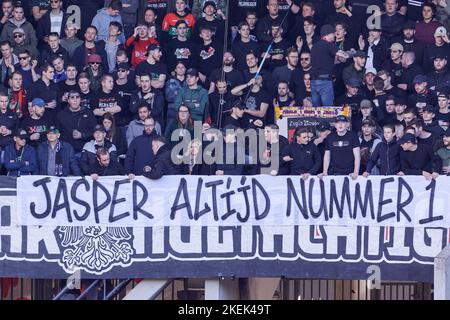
(136, 126)
(284, 73)
(125, 87)
(140, 157)
(20, 158)
(76, 124)
(53, 21)
(296, 83)
(19, 21)
(95, 71)
(90, 47)
(20, 44)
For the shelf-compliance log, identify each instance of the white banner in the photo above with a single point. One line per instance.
(261, 200)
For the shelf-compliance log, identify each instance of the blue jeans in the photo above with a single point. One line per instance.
(322, 93)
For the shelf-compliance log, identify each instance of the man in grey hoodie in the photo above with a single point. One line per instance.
(105, 16)
(129, 15)
(71, 42)
(136, 126)
(18, 21)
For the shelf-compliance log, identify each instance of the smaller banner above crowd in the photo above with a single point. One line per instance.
(290, 118)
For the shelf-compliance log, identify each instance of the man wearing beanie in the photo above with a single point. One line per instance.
(323, 55)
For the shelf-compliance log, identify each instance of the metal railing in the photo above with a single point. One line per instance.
(176, 289)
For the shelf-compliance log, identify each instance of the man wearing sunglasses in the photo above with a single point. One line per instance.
(89, 47)
(27, 68)
(20, 44)
(18, 20)
(76, 124)
(53, 21)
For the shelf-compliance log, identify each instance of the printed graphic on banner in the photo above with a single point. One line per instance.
(197, 250)
(290, 118)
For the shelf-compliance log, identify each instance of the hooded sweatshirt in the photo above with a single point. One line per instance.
(195, 99)
(82, 120)
(102, 20)
(140, 154)
(136, 128)
(70, 45)
(11, 25)
(387, 154)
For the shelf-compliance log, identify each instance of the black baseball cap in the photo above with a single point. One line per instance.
(53, 129)
(192, 72)
(73, 93)
(238, 104)
(447, 132)
(353, 82)
(209, 3)
(429, 108)
(152, 47)
(408, 137)
(123, 66)
(326, 30)
(444, 92)
(360, 54)
(369, 122)
(21, 133)
(409, 25)
(420, 78)
(99, 127)
(400, 100)
(341, 118)
(179, 22)
(324, 126)
(229, 127)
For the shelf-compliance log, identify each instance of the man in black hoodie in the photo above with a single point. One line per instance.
(139, 157)
(76, 124)
(104, 166)
(163, 165)
(387, 153)
(416, 159)
(264, 25)
(303, 155)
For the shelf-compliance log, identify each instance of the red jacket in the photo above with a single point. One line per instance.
(139, 52)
